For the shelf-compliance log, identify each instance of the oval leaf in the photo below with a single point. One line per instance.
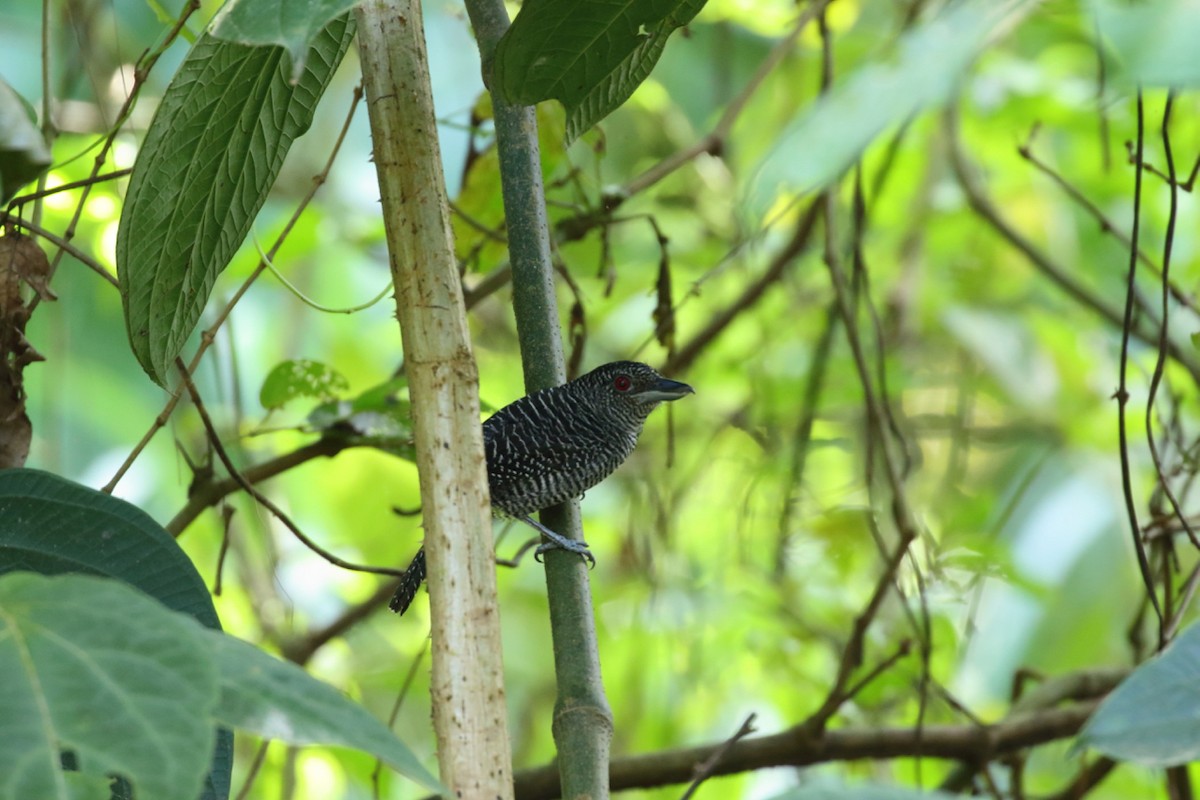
(96, 668)
(1153, 717)
(292, 26)
(211, 155)
(590, 55)
(278, 700)
(51, 525)
(301, 378)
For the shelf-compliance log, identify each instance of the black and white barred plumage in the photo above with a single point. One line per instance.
(555, 444)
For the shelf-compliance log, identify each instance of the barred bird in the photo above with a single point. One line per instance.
(555, 444)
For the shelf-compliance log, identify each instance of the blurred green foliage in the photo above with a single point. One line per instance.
(727, 582)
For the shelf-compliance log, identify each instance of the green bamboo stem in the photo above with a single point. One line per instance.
(582, 724)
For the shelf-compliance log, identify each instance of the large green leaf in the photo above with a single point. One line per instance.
(134, 689)
(278, 700)
(590, 55)
(51, 525)
(99, 669)
(926, 68)
(1152, 42)
(291, 25)
(211, 155)
(1153, 717)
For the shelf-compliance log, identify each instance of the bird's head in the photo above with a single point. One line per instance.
(634, 385)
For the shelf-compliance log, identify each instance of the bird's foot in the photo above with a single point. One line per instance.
(559, 542)
(570, 545)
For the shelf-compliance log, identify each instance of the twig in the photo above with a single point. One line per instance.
(1161, 360)
(248, 487)
(902, 651)
(208, 492)
(1088, 779)
(803, 436)
(1122, 394)
(705, 768)
(749, 296)
(22, 199)
(147, 61)
(902, 517)
(987, 211)
(226, 521)
(396, 706)
(300, 651)
(252, 771)
(61, 243)
(714, 141)
(1025, 150)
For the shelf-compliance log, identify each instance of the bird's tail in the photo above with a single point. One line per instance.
(410, 582)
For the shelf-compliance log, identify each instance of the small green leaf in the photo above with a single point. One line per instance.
(1153, 717)
(590, 55)
(301, 378)
(278, 700)
(292, 26)
(380, 417)
(213, 151)
(94, 667)
(23, 152)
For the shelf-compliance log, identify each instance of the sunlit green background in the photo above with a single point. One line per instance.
(726, 583)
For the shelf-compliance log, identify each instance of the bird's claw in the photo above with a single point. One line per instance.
(570, 545)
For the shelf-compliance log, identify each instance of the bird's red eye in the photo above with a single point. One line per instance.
(622, 383)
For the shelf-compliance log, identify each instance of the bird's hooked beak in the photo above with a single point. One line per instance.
(664, 389)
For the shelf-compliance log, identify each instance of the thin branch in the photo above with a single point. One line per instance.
(22, 199)
(62, 244)
(982, 205)
(803, 436)
(796, 747)
(1088, 779)
(1025, 150)
(749, 296)
(252, 772)
(209, 492)
(714, 141)
(301, 650)
(1122, 394)
(1161, 360)
(215, 440)
(705, 768)
(877, 429)
(147, 61)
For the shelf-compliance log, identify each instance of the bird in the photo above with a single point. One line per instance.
(555, 444)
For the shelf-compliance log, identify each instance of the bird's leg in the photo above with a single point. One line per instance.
(558, 542)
